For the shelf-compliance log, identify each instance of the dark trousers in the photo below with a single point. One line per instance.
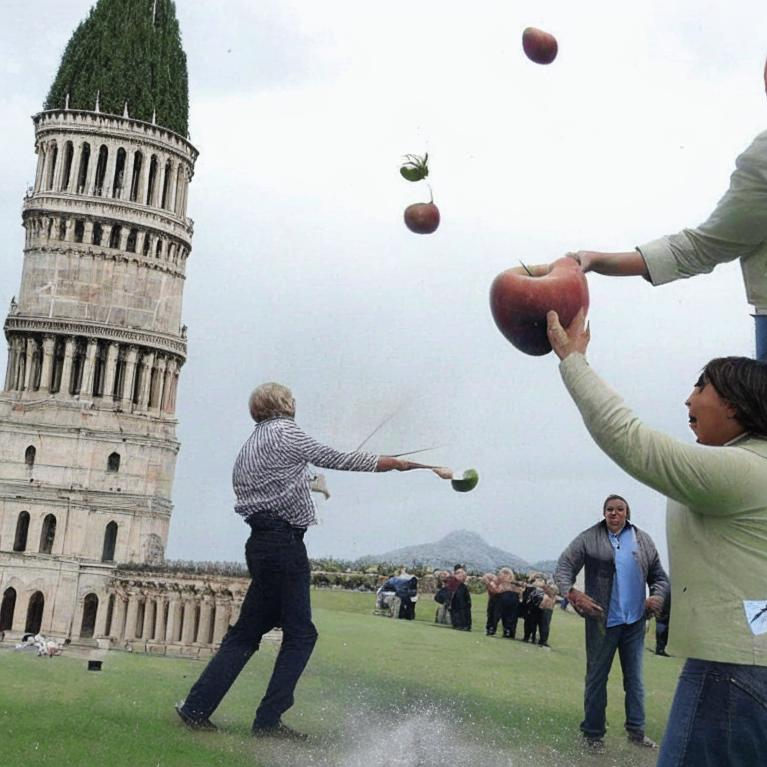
(278, 595)
(509, 613)
(544, 626)
(407, 609)
(493, 613)
(532, 616)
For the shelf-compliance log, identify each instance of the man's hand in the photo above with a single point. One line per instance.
(574, 338)
(443, 473)
(653, 605)
(584, 605)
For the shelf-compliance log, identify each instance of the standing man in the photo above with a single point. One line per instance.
(272, 488)
(621, 561)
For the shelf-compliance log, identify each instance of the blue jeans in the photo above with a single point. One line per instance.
(601, 644)
(278, 595)
(718, 718)
(761, 336)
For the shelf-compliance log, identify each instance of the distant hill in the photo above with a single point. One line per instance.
(545, 566)
(459, 547)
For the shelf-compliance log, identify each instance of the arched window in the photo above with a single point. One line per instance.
(147, 238)
(101, 170)
(22, 528)
(79, 230)
(114, 237)
(66, 172)
(48, 534)
(53, 152)
(134, 190)
(130, 244)
(113, 462)
(152, 180)
(35, 613)
(110, 540)
(29, 456)
(166, 184)
(6, 609)
(82, 174)
(98, 233)
(90, 608)
(119, 173)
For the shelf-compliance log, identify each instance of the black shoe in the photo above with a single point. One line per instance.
(640, 739)
(195, 724)
(594, 745)
(278, 730)
(663, 653)
(507, 635)
(490, 633)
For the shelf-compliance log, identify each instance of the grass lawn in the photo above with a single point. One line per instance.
(376, 692)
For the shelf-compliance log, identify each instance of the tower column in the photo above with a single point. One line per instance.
(130, 371)
(109, 176)
(74, 171)
(174, 619)
(160, 624)
(130, 156)
(159, 386)
(86, 388)
(118, 619)
(49, 343)
(66, 373)
(132, 616)
(29, 364)
(187, 635)
(145, 380)
(113, 354)
(170, 203)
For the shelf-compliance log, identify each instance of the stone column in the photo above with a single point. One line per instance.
(130, 370)
(187, 636)
(165, 404)
(101, 617)
(221, 624)
(111, 369)
(66, 372)
(40, 163)
(9, 366)
(156, 400)
(206, 619)
(75, 169)
(21, 360)
(88, 233)
(170, 203)
(109, 176)
(146, 166)
(118, 616)
(29, 364)
(86, 388)
(130, 156)
(130, 620)
(93, 164)
(145, 379)
(140, 235)
(49, 344)
(175, 614)
(159, 623)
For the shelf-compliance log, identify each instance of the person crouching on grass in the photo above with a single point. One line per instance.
(271, 485)
(716, 528)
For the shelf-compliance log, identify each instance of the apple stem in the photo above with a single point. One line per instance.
(525, 268)
(431, 194)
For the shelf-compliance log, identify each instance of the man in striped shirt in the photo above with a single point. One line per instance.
(271, 483)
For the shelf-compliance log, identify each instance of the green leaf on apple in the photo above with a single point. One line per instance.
(415, 168)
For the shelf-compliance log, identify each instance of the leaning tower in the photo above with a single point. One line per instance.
(95, 336)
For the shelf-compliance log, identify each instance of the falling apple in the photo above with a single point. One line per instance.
(422, 217)
(519, 301)
(466, 482)
(539, 46)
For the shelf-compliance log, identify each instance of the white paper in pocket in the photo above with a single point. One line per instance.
(756, 615)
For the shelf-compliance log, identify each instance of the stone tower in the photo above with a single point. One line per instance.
(95, 336)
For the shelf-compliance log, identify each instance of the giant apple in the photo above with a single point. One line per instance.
(539, 46)
(519, 301)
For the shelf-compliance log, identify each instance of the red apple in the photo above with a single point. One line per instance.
(539, 46)
(422, 217)
(519, 302)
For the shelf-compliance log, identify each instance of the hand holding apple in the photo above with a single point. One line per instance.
(521, 297)
(573, 339)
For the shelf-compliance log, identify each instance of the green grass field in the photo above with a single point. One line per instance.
(376, 692)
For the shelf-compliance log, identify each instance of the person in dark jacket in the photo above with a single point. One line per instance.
(621, 561)
(460, 602)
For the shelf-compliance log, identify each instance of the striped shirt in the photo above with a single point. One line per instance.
(271, 474)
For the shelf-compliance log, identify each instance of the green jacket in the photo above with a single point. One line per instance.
(716, 519)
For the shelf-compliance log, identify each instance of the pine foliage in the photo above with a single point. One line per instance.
(126, 51)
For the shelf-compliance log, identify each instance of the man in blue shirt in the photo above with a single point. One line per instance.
(621, 561)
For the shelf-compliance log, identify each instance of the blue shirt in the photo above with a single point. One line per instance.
(627, 598)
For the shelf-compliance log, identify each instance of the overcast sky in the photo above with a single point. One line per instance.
(303, 272)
